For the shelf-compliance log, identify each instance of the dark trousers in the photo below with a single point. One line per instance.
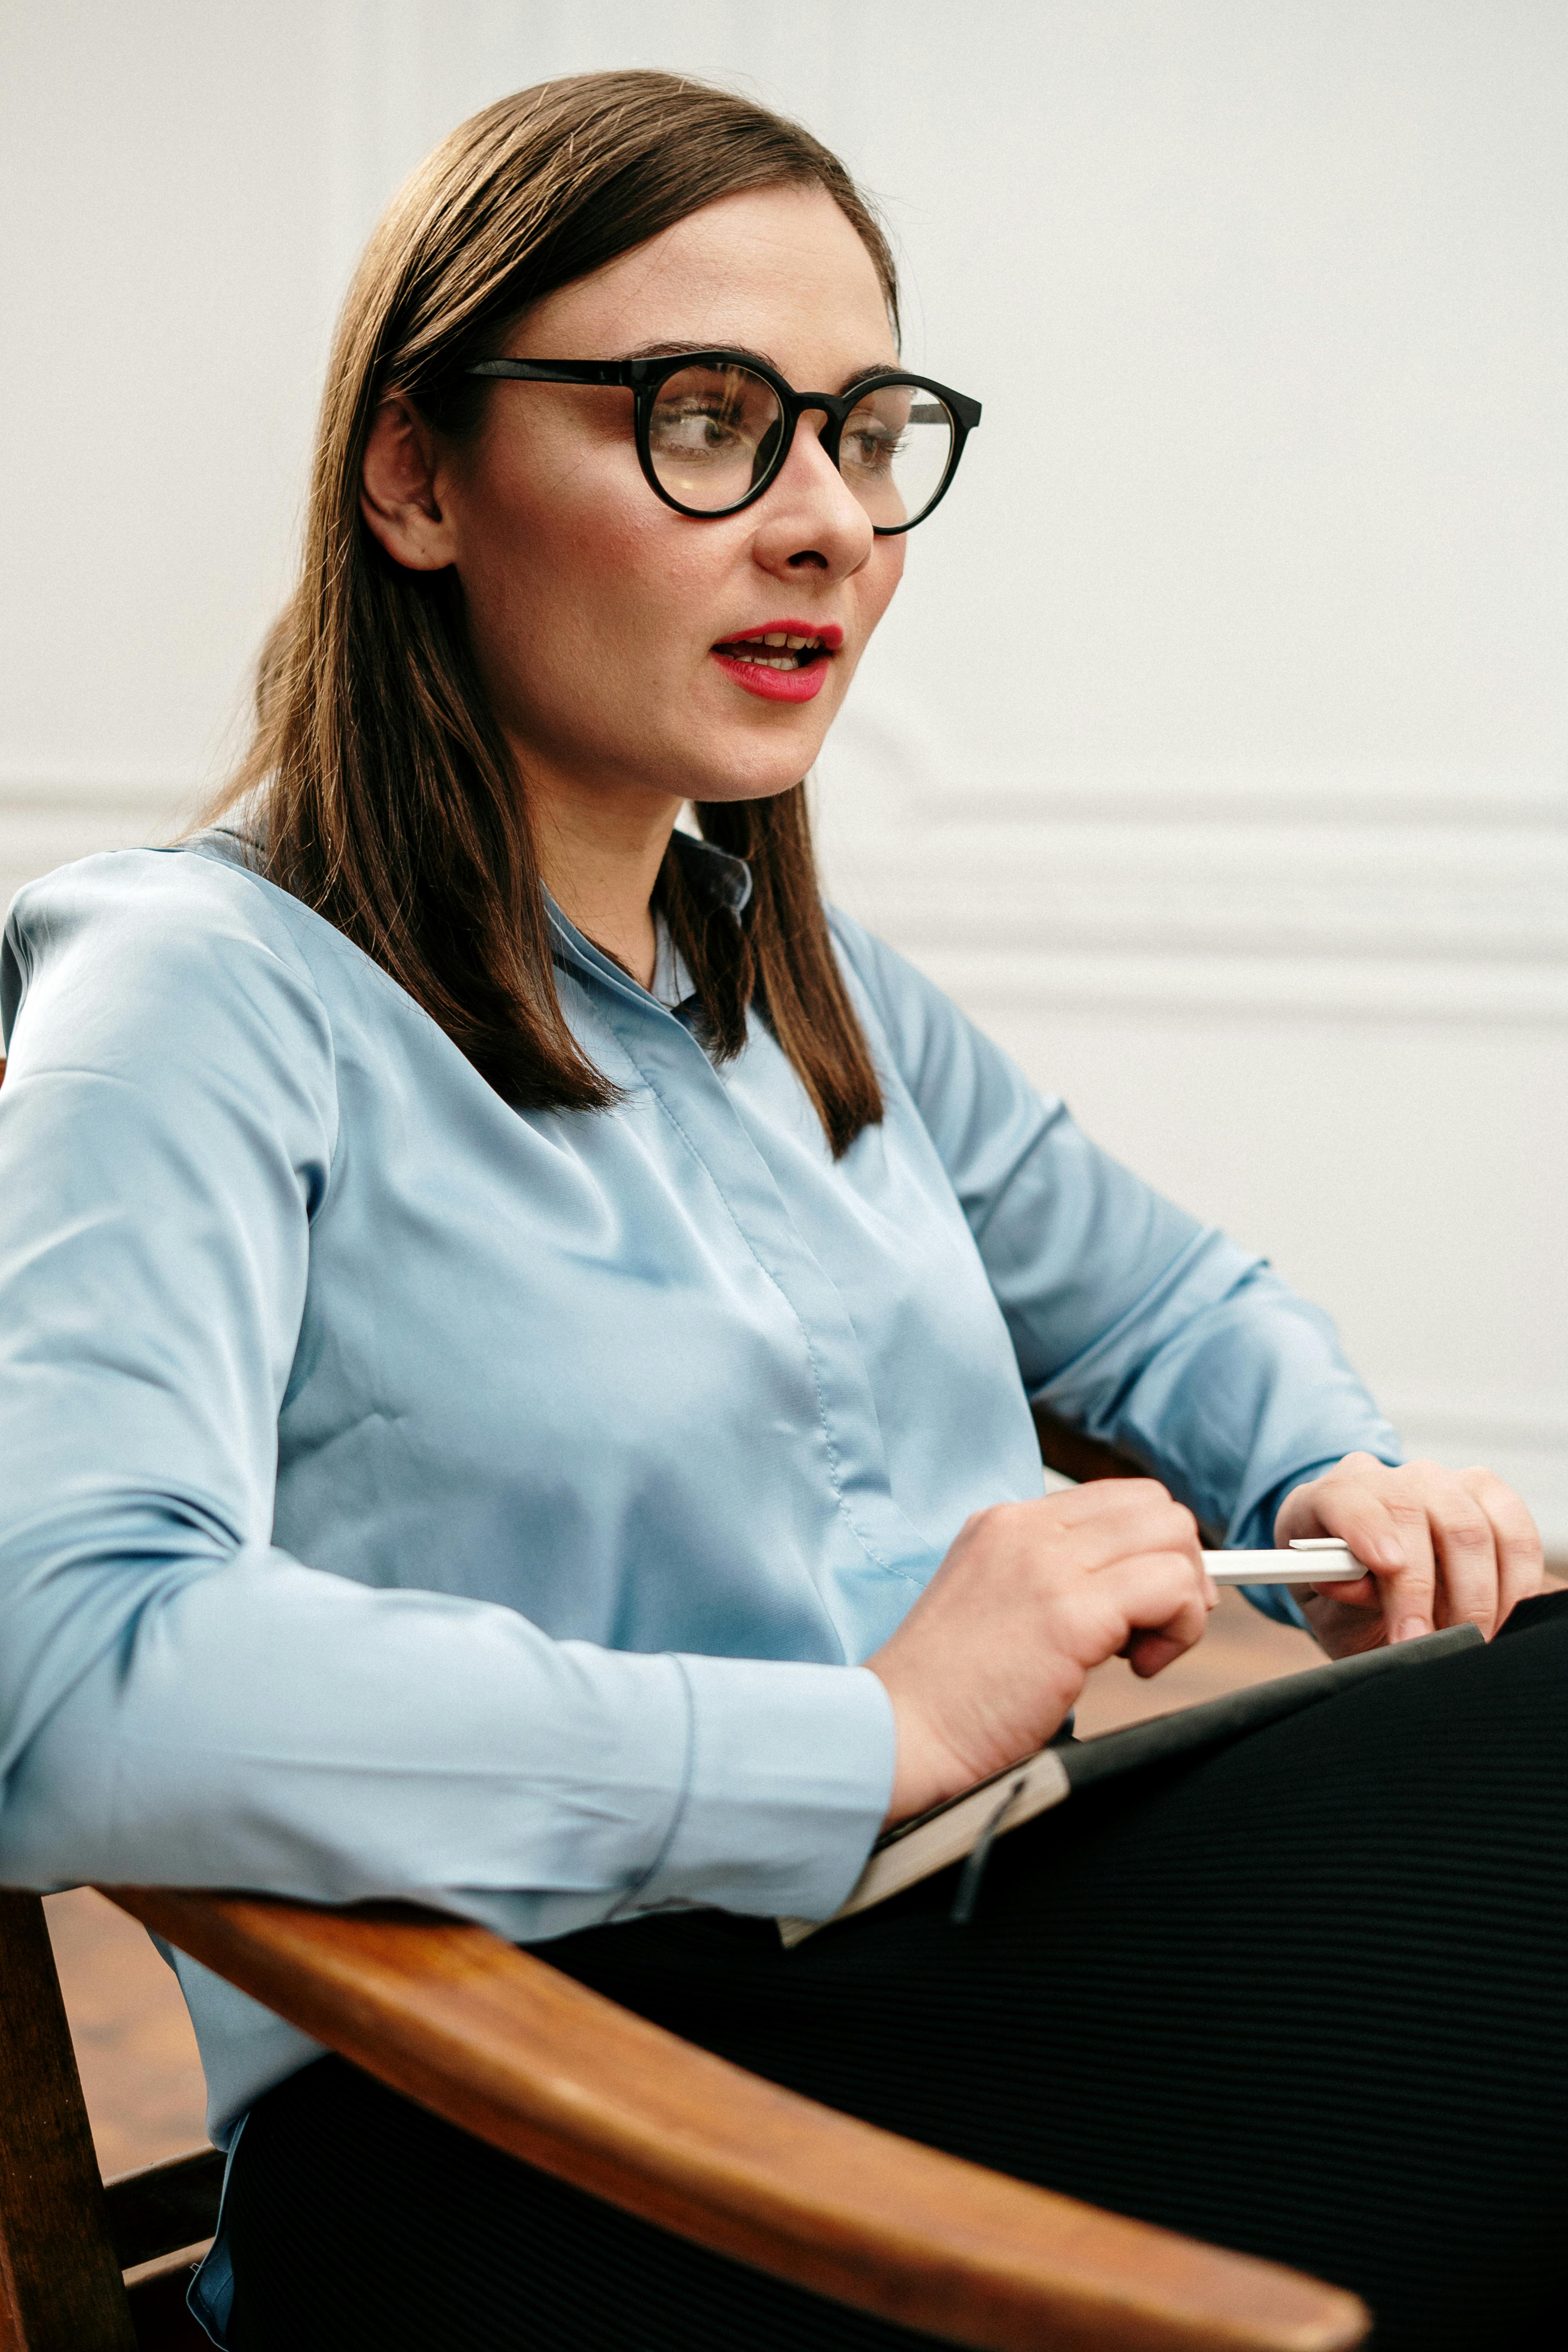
(1307, 1997)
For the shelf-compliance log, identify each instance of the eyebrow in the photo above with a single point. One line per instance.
(672, 350)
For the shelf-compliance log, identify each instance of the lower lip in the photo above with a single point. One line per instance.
(777, 684)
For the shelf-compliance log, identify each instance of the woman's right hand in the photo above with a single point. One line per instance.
(993, 1654)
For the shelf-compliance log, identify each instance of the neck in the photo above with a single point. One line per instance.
(599, 853)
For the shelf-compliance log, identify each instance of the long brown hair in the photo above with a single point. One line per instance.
(389, 800)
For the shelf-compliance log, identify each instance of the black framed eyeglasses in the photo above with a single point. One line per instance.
(713, 428)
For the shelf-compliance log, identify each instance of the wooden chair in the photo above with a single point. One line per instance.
(499, 2043)
(502, 2045)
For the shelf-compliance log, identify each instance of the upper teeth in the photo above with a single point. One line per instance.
(785, 643)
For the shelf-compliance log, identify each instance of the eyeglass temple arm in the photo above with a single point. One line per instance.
(619, 372)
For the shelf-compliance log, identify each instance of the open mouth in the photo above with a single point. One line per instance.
(786, 660)
(776, 649)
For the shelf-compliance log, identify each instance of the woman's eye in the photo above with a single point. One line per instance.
(871, 452)
(693, 432)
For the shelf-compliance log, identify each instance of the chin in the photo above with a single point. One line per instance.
(751, 779)
(747, 769)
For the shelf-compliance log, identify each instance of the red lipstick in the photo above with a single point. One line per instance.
(803, 680)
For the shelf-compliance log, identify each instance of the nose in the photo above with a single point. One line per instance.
(809, 519)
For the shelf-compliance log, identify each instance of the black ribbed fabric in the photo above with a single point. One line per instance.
(1308, 1997)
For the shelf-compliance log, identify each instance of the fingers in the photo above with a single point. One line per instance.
(1351, 1502)
(1359, 1593)
(1148, 1599)
(1120, 1518)
(1030, 1598)
(1157, 1605)
(1520, 1561)
(1387, 1524)
(1149, 1655)
(1448, 1548)
(1467, 1554)
(1449, 1568)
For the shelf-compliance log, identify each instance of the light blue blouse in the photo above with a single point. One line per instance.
(406, 1497)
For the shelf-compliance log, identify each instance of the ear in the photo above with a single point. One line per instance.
(398, 491)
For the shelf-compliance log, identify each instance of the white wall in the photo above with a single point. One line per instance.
(1217, 754)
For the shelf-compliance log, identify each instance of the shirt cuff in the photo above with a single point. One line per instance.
(789, 1776)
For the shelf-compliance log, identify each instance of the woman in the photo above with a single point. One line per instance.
(520, 1331)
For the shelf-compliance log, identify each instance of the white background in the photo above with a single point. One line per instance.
(1215, 754)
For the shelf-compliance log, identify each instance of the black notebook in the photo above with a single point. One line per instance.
(953, 1832)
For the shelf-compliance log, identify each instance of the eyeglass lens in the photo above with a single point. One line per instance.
(714, 432)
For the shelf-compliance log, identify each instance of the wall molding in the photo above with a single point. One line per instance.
(1502, 1417)
(991, 985)
(1331, 892)
(1469, 925)
(1253, 794)
(1525, 1444)
(29, 787)
(892, 744)
(48, 821)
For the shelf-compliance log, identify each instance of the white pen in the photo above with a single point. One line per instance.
(1311, 1559)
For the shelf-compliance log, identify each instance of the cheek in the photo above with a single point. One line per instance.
(640, 589)
(871, 590)
(886, 569)
(585, 550)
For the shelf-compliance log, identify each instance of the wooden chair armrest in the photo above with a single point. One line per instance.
(159, 2207)
(506, 2047)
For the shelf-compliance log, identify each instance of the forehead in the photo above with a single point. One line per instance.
(776, 270)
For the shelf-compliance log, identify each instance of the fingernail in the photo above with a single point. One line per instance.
(1411, 1629)
(1389, 1554)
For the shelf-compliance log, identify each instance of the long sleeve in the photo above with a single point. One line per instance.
(180, 1700)
(1128, 1318)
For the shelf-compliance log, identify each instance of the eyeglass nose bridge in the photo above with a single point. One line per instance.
(835, 414)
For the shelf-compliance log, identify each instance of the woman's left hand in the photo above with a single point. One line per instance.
(1444, 1546)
